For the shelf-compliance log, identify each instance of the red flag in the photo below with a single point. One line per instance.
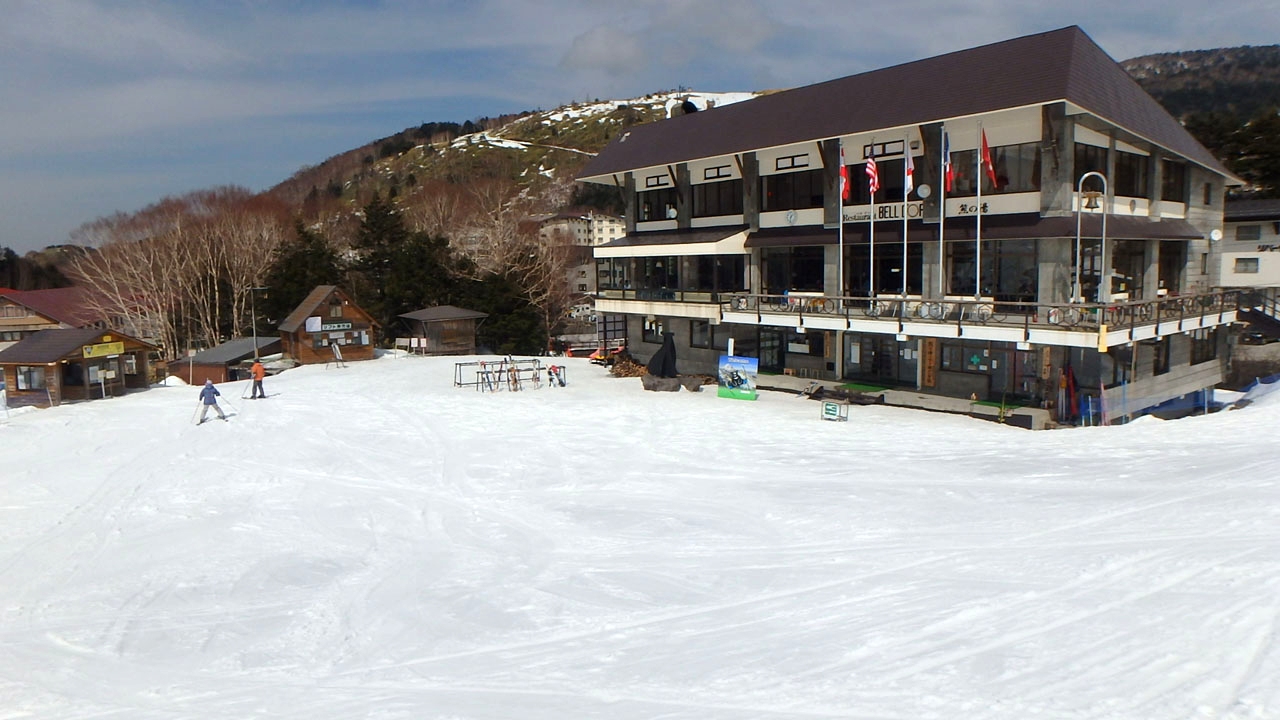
(948, 170)
(986, 161)
(844, 176)
(873, 176)
(910, 176)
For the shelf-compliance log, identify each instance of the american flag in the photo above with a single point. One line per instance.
(873, 176)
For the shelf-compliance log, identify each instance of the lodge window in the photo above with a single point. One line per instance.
(717, 198)
(1017, 168)
(613, 273)
(130, 365)
(1160, 358)
(1173, 182)
(14, 311)
(713, 173)
(654, 181)
(788, 162)
(890, 173)
(806, 343)
(1131, 174)
(1249, 232)
(582, 287)
(653, 329)
(335, 309)
(798, 268)
(966, 357)
(702, 334)
(1089, 158)
(791, 191)
(657, 204)
(1204, 345)
(1008, 270)
(1246, 265)
(30, 377)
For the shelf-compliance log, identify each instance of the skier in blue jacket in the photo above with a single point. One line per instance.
(209, 396)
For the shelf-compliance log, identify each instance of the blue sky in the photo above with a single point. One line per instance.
(110, 106)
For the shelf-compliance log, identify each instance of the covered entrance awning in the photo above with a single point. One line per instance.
(697, 241)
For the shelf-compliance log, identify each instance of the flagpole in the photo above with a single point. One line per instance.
(871, 289)
(977, 170)
(942, 214)
(843, 182)
(906, 190)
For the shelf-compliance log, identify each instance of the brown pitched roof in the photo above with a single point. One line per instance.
(307, 307)
(1244, 210)
(444, 312)
(48, 346)
(1033, 70)
(73, 306)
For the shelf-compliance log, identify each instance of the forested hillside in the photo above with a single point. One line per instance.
(1229, 98)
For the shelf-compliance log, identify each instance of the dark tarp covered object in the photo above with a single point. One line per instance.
(663, 362)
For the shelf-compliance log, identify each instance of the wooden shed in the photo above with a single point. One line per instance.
(442, 330)
(327, 325)
(221, 364)
(49, 367)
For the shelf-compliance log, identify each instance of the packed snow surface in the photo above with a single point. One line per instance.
(372, 542)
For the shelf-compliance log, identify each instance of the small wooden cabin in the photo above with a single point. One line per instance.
(442, 330)
(325, 320)
(49, 367)
(222, 363)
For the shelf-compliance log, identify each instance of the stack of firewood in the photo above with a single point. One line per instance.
(624, 366)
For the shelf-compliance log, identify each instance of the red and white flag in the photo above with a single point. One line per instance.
(873, 176)
(986, 161)
(948, 171)
(910, 176)
(844, 176)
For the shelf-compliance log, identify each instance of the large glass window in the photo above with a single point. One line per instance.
(653, 329)
(613, 273)
(1090, 158)
(791, 191)
(656, 204)
(889, 171)
(1173, 184)
(798, 268)
(1204, 345)
(1131, 175)
(717, 198)
(30, 377)
(1017, 168)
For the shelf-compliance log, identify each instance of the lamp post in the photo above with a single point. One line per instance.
(1092, 199)
(253, 291)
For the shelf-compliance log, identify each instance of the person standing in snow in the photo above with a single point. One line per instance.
(258, 372)
(209, 396)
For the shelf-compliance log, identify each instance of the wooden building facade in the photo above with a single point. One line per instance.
(326, 326)
(442, 330)
(50, 367)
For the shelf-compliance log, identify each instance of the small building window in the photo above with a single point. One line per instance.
(1173, 185)
(1208, 193)
(788, 162)
(1160, 358)
(30, 377)
(1246, 265)
(700, 333)
(1248, 232)
(653, 329)
(1204, 345)
(335, 309)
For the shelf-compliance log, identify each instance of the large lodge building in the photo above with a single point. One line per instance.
(1074, 273)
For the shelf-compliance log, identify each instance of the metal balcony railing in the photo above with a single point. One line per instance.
(1086, 317)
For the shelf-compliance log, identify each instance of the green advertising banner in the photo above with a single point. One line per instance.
(738, 377)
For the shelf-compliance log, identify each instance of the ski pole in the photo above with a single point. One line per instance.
(197, 412)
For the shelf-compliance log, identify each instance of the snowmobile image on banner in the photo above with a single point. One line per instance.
(738, 377)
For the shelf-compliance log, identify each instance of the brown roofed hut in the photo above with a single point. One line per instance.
(326, 326)
(52, 366)
(442, 330)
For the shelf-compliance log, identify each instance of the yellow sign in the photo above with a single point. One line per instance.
(103, 349)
